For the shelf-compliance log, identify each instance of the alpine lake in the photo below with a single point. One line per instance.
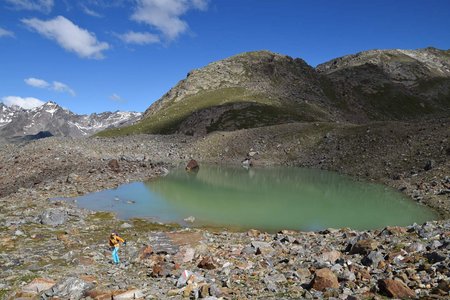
(269, 199)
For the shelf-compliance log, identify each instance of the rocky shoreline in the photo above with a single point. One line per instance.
(54, 250)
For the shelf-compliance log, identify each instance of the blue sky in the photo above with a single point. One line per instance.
(106, 55)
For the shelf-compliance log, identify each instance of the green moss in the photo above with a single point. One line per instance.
(101, 216)
(3, 294)
(142, 225)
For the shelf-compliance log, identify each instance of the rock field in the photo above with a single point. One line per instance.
(53, 250)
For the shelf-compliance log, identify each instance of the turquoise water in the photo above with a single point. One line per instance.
(269, 199)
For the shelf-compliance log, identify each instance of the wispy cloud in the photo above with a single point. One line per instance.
(165, 15)
(90, 12)
(116, 98)
(27, 102)
(139, 38)
(69, 36)
(36, 82)
(55, 86)
(44, 6)
(6, 33)
(62, 87)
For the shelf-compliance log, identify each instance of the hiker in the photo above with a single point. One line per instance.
(114, 243)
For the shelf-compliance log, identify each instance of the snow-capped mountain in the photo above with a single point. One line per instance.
(52, 118)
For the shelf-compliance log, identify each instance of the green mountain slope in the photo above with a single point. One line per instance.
(257, 89)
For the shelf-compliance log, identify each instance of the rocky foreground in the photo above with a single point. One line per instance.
(53, 250)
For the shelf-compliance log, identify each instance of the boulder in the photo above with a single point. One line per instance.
(323, 279)
(130, 294)
(330, 256)
(113, 164)
(394, 230)
(364, 247)
(395, 289)
(72, 178)
(373, 259)
(429, 165)
(207, 263)
(38, 285)
(53, 217)
(71, 288)
(145, 252)
(192, 166)
(263, 248)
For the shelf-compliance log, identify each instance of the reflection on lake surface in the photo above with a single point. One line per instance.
(269, 199)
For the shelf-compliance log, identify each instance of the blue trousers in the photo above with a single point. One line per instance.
(115, 255)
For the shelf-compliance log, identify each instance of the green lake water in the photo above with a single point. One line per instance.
(269, 199)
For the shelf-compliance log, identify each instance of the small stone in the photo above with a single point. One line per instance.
(204, 291)
(253, 233)
(207, 263)
(126, 225)
(429, 165)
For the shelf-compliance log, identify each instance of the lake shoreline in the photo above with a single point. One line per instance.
(75, 250)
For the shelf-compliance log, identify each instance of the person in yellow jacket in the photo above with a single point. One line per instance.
(114, 243)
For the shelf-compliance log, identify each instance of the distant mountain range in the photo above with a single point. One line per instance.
(262, 88)
(51, 119)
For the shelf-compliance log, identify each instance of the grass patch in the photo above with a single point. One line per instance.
(167, 120)
(101, 216)
(391, 101)
(142, 225)
(3, 294)
(259, 115)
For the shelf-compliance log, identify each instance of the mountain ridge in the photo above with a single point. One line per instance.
(17, 123)
(263, 88)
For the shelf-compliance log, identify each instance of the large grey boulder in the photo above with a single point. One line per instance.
(53, 217)
(71, 288)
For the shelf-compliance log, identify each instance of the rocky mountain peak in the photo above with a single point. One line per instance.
(406, 65)
(258, 72)
(17, 123)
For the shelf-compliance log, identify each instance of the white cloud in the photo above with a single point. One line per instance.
(165, 15)
(55, 86)
(62, 87)
(45, 6)
(200, 4)
(69, 36)
(6, 33)
(90, 12)
(39, 83)
(117, 98)
(140, 38)
(27, 102)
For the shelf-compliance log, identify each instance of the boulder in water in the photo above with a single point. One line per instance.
(192, 166)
